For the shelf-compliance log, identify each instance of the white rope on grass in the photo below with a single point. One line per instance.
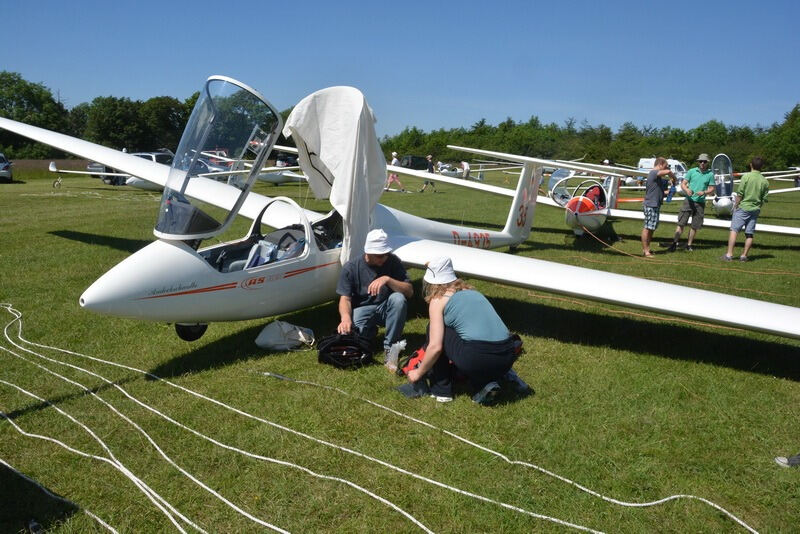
(519, 462)
(306, 436)
(146, 436)
(203, 436)
(149, 492)
(58, 497)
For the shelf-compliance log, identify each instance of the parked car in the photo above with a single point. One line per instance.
(414, 162)
(98, 170)
(162, 156)
(5, 169)
(285, 160)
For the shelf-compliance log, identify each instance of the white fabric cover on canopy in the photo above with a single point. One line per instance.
(338, 150)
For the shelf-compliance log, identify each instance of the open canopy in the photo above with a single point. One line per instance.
(228, 117)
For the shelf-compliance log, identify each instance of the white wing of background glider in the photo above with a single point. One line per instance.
(608, 169)
(787, 190)
(133, 181)
(714, 223)
(503, 268)
(621, 214)
(54, 168)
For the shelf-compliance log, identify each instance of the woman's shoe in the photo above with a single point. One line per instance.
(488, 394)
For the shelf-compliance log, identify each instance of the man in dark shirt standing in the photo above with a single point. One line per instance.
(373, 290)
(653, 197)
(425, 185)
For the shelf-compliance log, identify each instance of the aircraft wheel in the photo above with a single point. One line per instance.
(190, 332)
(57, 183)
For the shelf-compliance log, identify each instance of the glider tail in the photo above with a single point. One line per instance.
(520, 217)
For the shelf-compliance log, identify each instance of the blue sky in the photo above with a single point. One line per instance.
(429, 64)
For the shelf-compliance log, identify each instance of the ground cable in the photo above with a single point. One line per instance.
(307, 436)
(517, 462)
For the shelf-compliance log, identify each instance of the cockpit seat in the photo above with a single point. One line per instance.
(261, 253)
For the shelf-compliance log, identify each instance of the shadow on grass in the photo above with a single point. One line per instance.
(667, 340)
(24, 502)
(537, 320)
(240, 347)
(35, 407)
(119, 243)
(322, 319)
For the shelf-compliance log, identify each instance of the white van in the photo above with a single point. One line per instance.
(677, 167)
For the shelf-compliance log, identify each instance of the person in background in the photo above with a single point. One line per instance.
(751, 193)
(653, 197)
(466, 330)
(392, 176)
(425, 185)
(697, 183)
(465, 166)
(373, 290)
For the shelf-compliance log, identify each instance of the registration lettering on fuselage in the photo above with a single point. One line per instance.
(472, 239)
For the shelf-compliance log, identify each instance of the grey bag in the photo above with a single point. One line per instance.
(280, 335)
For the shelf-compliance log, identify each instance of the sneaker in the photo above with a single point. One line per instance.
(442, 398)
(519, 384)
(726, 258)
(791, 461)
(488, 394)
(689, 248)
(744, 258)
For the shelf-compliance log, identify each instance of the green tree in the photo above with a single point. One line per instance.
(116, 123)
(164, 118)
(781, 144)
(77, 119)
(31, 103)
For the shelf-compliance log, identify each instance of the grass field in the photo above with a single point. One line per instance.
(633, 406)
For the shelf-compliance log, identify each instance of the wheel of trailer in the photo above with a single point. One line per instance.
(190, 332)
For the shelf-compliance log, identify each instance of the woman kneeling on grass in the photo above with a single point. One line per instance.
(464, 329)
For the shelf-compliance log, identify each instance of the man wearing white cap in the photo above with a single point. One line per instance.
(393, 176)
(464, 329)
(373, 290)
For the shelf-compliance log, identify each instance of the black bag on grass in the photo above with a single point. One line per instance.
(345, 351)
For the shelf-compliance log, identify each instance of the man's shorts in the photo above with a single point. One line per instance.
(695, 210)
(651, 217)
(746, 219)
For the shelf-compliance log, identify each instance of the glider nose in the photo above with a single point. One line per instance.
(123, 291)
(581, 213)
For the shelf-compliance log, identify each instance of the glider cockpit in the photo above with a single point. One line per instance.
(261, 246)
(585, 204)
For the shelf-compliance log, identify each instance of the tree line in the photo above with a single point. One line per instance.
(159, 121)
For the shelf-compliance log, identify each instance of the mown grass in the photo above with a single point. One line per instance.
(634, 406)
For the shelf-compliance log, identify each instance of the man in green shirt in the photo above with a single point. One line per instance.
(697, 183)
(751, 193)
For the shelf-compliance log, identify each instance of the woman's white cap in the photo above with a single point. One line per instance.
(377, 242)
(440, 271)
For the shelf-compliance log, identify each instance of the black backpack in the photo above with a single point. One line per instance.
(345, 351)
